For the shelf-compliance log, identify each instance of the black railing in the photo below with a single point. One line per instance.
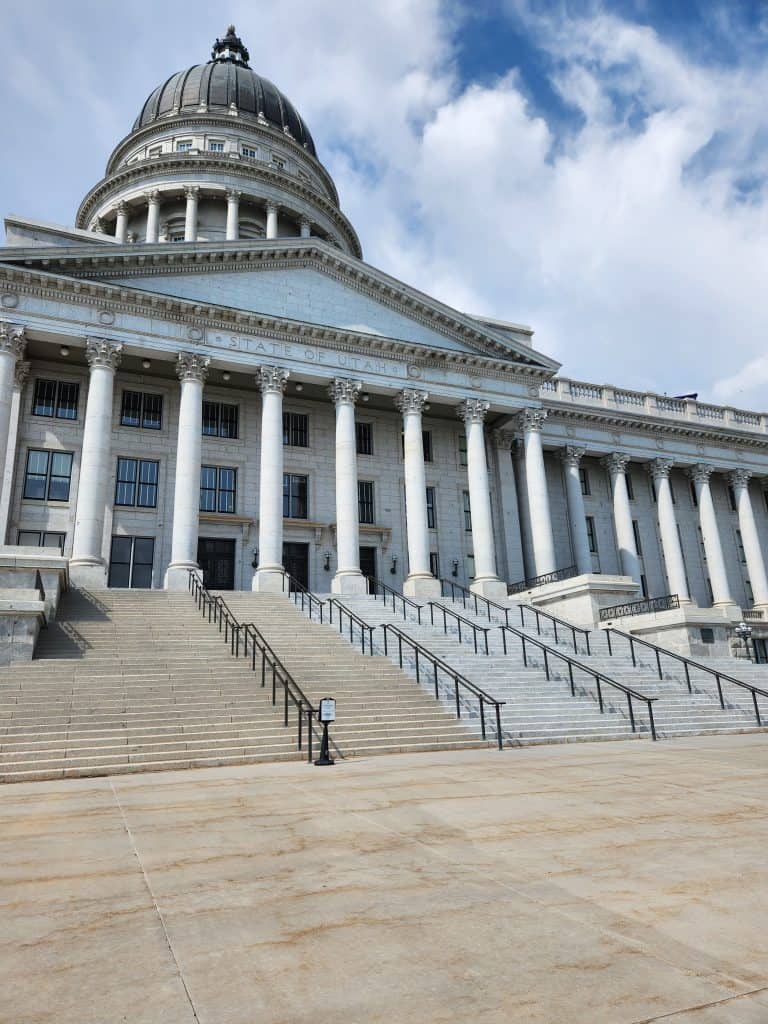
(651, 604)
(459, 681)
(353, 620)
(399, 602)
(216, 610)
(301, 596)
(466, 624)
(572, 663)
(688, 664)
(539, 581)
(559, 626)
(39, 586)
(473, 600)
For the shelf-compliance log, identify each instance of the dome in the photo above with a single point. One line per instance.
(224, 83)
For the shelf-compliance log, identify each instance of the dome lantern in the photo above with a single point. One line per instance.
(231, 48)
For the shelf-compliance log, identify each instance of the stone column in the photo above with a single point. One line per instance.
(420, 582)
(153, 215)
(713, 549)
(121, 223)
(190, 218)
(571, 458)
(526, 533)
(739, 480)
(670, 540)
(233, 215)
(305, 229)
(505, 443)
(20, 378)
(532, 421)
(486, 582)
(192, 371)
(88, 566)
(348, 578)
(12, 344)
(269, 574)
(616, 465)
(271, 220)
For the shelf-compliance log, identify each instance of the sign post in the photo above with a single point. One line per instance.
(326, 715)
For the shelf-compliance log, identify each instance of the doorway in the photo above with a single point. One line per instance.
(216, 559)
(296, 562)
(368, 562)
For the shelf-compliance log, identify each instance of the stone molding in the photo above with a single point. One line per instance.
(13, 339)
(272, 379)
(343, 391)
(473, 410)
(532, 420)
(571, 456)
(190, 366)
(739, 477)
(99, 352)
(21, 373)
(410, 402)
(659, 469)
(615, 463)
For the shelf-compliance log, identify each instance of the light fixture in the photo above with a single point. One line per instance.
(299, 387)
(393, 567)
(427, 407)
(255, 560)
(146, 364)
(455, 569)
(327, 562)
(226, 375)
(365, 396)
(64, 350)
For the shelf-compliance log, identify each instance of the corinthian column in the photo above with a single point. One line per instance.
(531, 421)
(190, 218)
(571, 458)
(233, 215)
(739, 480)
(269, 574)
(20, 378)
(713, 549)
(121, 224)
(348, 578)
(153, 216)
(88, 566)
(486, 582)
(192, 371)
(670, 539)
(616, 465)
(420, 581)
(12, 344)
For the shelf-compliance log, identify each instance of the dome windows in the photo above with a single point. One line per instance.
(184, 145)
(216, 145)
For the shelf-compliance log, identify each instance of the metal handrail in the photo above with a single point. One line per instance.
(688, 663)
(460, 620)
(395, 596)
(295, 587)
(539, 581)
(572, 663)
(476, 598)
(219, 612)
(458, 679)
(354, 620)
(539, 613)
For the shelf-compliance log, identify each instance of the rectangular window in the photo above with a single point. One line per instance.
(278, 162)
(250, 152)
(748, 592)
(584, 480)
(216, 147)
(462, 449)
(296, 429)
(672, 492)
(431, 518)
(220, 420)
(467, 512)
(652, 485)
(636, 532)
(702, 548)
(630, 488)
(426, 439)
(365, 502)
(218, 485)
(740, 547)
(141, 410)
(434, 564)
(55, 398)
(136, 483)
(644, 585)
(155, 150)
(48, 475)
(295, 504)
(184, 146)
(470, 567)
(731, 498)
(41, 539)
(364, 438)
(130, 562)
(694, 499)
(591, 536)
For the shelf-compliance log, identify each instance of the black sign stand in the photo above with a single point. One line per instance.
(326, 715)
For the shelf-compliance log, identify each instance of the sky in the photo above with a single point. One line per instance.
(596, 170)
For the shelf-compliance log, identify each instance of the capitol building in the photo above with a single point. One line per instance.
(204, 373)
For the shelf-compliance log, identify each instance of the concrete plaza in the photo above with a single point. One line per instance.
(615, 882)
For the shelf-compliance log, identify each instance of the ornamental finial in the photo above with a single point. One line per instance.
(231, 49)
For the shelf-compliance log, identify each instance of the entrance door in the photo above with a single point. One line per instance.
(130, 562)
(216, 559)
(296, 562)
(368, 562)
(761, 651)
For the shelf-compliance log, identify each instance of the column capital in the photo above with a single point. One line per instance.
(190, 366)
(473, 410)
(102, 353)
(272, 379)
(152, 196)
(532, 419)
(343, 391)
(660, 468)
(20, 374)
(121, 207)
(13, 339)
(408, 401)
(700, 473)
(274, 207)
(616, 462)
(192, 191)
(739, 477)
(233, 194)
(305, 223)
(571, 456)
(506, 439)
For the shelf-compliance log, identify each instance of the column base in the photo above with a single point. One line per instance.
(177, 575)
(491, 587)
(422, 587)
(88, 575)
(350, 582)
(269, 581)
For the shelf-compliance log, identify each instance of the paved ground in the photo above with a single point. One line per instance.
(612, 882)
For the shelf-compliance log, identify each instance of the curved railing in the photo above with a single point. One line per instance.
(466, 624)
(376, 587)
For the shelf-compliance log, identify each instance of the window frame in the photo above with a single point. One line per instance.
(233, 416)
(366, 503)
(467, 506)
(591, 535)
(183, 145)
(249, 152)
(427, 446)
(137, 483)
(41, 535)
(216, 145)
(218, 490)
(360, 426)
(56, 398)
(143, 422)
(463, 459)
(48, 476)
(289, 495)
(431, 507)
(584, 482)
(295, 429)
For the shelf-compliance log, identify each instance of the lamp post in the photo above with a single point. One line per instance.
(744, 632)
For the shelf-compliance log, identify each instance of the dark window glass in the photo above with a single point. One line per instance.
(36, 539)
(227, 478)
(228, 421)
(630, 488)
(296, 429)
(653, 490)
(218, 486)
(44, 403)
(467, 513)
(220, 420)
(136, 483)
(55, 398)
(295, 504)
(140, 410)
(211, 419)
(584, 480)
(431, 508)
(643, 586)
(48, 475)
(366, 510)
(125, 483)
(694, 499)
(143, 556)
(152, 418)
(731, 498)
(130, 563)
(434, 564)
(130, 410)
(636, 531)
(592, 539)
(364, 437)
(426, 440)
(462, 449)
(120, 562)
(36, 478)
(149, 472)
(208, 488)
(66, 401)
(61, 473)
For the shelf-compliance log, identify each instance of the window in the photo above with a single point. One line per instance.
(702, 546)
(467, 512)
(249, 151)
(48, 475)
(672, 492)
(217, 489)
(130, 562)
(630, 488)
(155, 150)
(731, 498)
(278, 162)
(470, 567)
(636, 532)
(654, 498)
(55, 398)
(176, 236)
(220, 420)
(215, 146)
(295, 504)
(426, 440)
(694, 498)
(584, 480)
(707, 635)
(431, 520)
(141, 410)
(184, 146)
(462, 449)
(591, 535)
(365, 503)
(364, 438)
(296, 429)
(41, 539)
(643, 585)
(434, 564)
(748, 592)
(740, 546)
(136, 483)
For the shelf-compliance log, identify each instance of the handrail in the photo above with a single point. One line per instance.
(539, 581)
(572, 663)
(219, 612)
(485, 630)
(41, 589)
(465, 593)
(295, 587)
(458, 679)
(539, 612)
(354, 620)
(394, 595)
(688, 663)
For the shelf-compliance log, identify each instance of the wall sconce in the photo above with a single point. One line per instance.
(327, 562)
(64, 350)
(299, 387)
(365, 396)
(393, 567)
(455, 569)
(146, 364)
(226, 375)
(255, 561)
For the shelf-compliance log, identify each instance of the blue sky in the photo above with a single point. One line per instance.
(596, 170)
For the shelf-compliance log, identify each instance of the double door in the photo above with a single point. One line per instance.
(216, 558)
